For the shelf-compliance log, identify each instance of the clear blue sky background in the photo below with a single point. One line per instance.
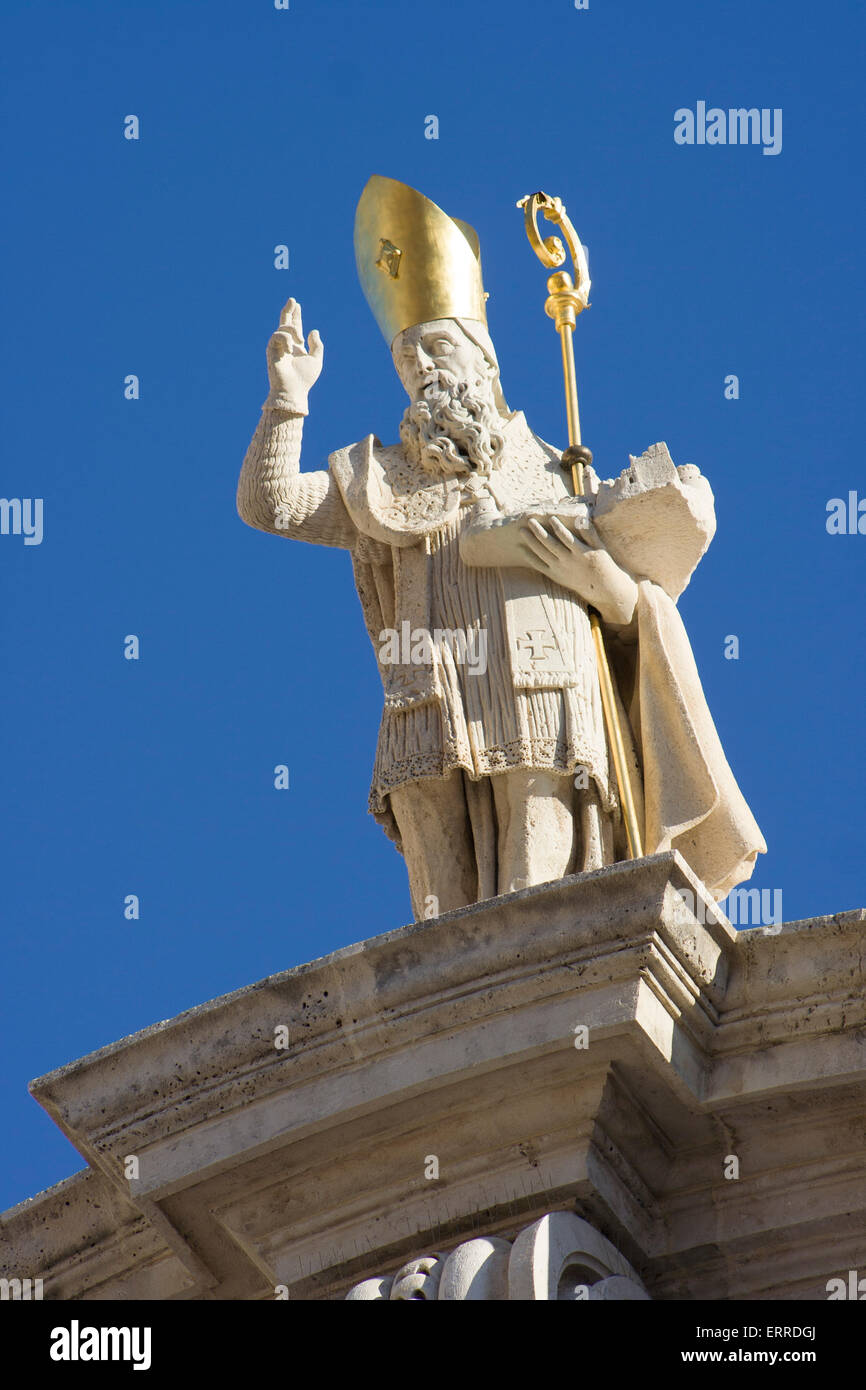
(260, 127)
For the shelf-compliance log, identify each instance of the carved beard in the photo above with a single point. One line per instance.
(452, 429)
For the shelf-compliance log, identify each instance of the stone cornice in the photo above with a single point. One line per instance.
(456, 1038)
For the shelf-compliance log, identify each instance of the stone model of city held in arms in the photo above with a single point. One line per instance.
(543, 714)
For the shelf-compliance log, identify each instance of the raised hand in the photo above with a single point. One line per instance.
(292, 368)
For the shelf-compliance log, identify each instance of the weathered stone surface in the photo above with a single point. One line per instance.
(561, 1250)
(661, 517)
(559, 1258)
(455, 1038)
(477, 1269)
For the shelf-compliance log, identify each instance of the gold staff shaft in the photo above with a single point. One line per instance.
(564, 303)
(572, 411)
(605, 679)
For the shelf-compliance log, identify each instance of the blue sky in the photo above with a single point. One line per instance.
(156, 257)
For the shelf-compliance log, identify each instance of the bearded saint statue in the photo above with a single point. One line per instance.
(492, 770)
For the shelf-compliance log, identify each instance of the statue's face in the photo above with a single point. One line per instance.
(422, 352)
(452, 425)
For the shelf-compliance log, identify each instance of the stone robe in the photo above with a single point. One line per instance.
(537, 705)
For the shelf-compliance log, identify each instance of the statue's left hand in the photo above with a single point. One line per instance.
(586, 569)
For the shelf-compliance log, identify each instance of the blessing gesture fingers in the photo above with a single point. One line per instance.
(292, 368)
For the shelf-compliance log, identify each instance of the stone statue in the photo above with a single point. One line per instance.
(475, 567)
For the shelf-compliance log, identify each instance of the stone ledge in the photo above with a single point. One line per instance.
(456, 1038)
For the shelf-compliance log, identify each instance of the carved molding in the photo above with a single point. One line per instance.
(561, 1258)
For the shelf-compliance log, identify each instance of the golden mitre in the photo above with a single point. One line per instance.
(415, 262)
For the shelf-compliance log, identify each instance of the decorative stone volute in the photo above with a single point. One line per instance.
(560, 1258)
